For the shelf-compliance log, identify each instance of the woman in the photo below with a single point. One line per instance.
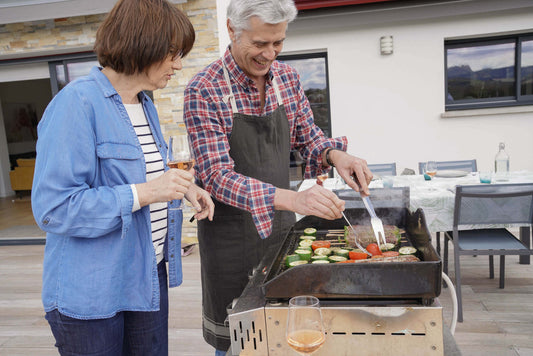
(101, 190)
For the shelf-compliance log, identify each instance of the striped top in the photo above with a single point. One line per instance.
(154, 168)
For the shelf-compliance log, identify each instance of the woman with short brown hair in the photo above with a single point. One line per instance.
(102, 190)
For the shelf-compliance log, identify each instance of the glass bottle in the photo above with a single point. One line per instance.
(501, 164)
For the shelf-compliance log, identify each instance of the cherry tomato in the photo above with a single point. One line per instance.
(319, 243)
(373, 249)
(355, 255)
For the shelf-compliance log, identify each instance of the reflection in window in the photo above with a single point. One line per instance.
(526, 83)
(489, 72)
(79, 69)
(481, 72)
(312, 69)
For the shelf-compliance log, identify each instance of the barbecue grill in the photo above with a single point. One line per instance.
(375, 308)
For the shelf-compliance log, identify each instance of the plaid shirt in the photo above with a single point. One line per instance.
(209, 120)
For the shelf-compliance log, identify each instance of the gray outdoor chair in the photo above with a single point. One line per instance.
(384, 169)
(466, 165)
(481, 206)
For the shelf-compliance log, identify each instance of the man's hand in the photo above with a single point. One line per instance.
(201, 201)
(316, 201)
(353, 170)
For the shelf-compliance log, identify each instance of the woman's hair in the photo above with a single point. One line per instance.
(239, 12)
(139, 33)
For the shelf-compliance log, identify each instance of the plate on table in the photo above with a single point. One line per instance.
(449, 173)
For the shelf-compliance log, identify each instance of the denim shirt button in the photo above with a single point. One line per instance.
(46, 221)
(172, 221)
(172, 256)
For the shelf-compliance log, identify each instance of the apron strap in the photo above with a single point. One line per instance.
(231, 97)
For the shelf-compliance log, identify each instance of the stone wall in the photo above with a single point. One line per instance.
(65, 35)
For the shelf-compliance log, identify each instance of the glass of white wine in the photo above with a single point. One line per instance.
(179, 154)
(431, 168)
(305, 329)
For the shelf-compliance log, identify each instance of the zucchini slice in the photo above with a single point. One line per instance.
(297, 263)
(336, 258)
(307, 237)
(407, 250)
(341, 252)
(320, 261)
(304, 254)
(310, 231)
(291, 258)
(323, 251)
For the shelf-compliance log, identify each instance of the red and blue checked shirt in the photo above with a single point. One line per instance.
(209, 120)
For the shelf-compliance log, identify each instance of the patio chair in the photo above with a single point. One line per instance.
(466, 165)
(384, 169)
(479, 206)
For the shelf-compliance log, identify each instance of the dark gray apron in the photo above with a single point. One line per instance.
(230, 246)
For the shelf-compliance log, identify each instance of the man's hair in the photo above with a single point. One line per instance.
(239, 12)
(139, 33)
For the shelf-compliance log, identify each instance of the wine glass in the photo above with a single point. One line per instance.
(431, 168)
(305, 329)
(179, 155)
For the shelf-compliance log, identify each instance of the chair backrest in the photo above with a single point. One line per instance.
(466, 165)
(384, 169)
(493, 204)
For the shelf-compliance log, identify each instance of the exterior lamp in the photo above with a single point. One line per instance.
(386, 45)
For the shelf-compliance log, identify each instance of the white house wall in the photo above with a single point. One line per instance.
(391, 107)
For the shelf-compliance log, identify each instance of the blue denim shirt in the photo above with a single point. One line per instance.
(99, 257)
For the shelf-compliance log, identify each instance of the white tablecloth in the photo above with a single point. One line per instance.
(435, 197)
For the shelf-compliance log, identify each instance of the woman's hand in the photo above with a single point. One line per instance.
(171, 185)
(201, 201)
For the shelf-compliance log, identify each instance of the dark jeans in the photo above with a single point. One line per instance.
(127, 333)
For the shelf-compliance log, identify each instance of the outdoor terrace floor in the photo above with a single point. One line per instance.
(497, 322)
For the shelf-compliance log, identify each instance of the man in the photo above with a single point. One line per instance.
(244, 113)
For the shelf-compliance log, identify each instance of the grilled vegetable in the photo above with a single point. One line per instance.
(297, 263)
(323, 251)
(319, 244)
(407, 250)
(310, 231)
(304, 254)
(336, 258)
(291, 258)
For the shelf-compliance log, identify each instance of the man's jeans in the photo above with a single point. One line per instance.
(127, 333)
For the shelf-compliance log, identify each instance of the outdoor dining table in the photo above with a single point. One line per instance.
(436, 197)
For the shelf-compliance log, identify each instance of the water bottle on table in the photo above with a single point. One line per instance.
(501, 165)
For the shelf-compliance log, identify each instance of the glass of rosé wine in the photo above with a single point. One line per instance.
(305, 329)
(179, 155)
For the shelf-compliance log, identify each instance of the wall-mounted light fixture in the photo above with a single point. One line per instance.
(386, 45)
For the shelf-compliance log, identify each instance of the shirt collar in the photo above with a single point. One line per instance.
(106, 86)
(237, 73)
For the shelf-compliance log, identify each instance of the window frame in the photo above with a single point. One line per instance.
(517, 100)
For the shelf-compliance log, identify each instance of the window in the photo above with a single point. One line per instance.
(489, 72)
(71, 67)
(313, 70)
